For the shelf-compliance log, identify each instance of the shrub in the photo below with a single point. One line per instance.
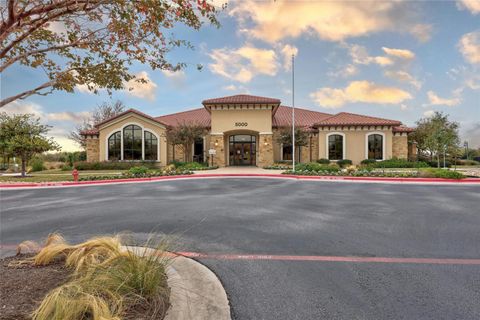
(137, 171)
(344, 162)
(465, 162)
(314, 166)
(112, 165)
(441, 173)
(66, 167)
(190, 165)
(37, 164)
(434, 164)
(323, 161)
(368, 162)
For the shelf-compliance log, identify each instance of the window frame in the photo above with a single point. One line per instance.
(367, 135)
(108, 145)
(344, 145)
(143, 142)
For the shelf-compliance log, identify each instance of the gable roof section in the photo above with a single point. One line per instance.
(97, 125)
(200, 116)
(241, 98)
(346, 118)
(303, 117)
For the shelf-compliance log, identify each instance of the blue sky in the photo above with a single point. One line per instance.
(400, 60)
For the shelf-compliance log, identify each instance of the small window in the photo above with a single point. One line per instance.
(151, 146)
(132, 142)
(335, 147)
(375, 147)
(287, 153)
(114, 146)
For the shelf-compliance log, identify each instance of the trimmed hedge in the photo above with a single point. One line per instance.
(323, 161)
(441, 173)
(344, 162)
(128, 175)
(314, 166)
(112, 165)
(395, 163)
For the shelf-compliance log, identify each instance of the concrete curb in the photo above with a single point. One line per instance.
(466, 181)
(196, 292)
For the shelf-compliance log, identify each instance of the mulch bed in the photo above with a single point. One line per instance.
(23, 287)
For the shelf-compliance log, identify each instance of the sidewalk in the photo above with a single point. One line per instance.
(238, 170)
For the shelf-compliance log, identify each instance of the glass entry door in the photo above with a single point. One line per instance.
(242, 150)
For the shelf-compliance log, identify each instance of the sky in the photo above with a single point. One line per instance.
(400, 60)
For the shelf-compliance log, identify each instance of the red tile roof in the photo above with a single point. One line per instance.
(402, 128)
(241, 98)
(345, 118)
(200, 116)
(303, 117)
(89, 132)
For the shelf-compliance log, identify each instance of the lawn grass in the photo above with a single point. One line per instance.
(57, 175)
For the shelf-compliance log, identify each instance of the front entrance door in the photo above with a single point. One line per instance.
(242, 150)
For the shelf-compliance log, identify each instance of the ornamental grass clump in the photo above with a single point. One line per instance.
(108, 278)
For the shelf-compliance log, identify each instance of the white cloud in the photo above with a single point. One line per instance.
(244, 63)
(344, 72)
(399, 53)
(359, 91)
(434, 99)
(273, 21)
(177, 78)
(23, 107)
(429, 113)
(469, 46)
(140, 89)
(471, 5)
(287, 52)
(230, 87)
(422, 32)
(472, 134)
(76, 117)
(403, 76)
(403, 107)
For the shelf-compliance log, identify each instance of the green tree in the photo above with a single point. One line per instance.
(185, 134)
(436, 135)
(24, 136)
(101, 113)
(93, 42)
(285, 137)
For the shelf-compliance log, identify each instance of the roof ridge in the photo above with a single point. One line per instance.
(305, 109)
(364, 115)
(179, 112)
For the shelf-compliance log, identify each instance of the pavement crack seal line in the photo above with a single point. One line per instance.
(353, 259)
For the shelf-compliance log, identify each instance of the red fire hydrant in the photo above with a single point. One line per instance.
(75, 175)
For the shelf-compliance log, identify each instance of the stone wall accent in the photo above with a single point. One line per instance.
(217, 142)
(265, 150)
(314, 145)
(179, 154)
(400, 146)
(412, 151)
(92, 148)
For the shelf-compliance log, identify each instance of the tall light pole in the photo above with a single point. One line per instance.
(293, 112)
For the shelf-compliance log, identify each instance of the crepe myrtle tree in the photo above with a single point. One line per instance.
(285, 137)
(23, 136)
(185, 134)
(100, 113)
(93, 42)
(436, 135)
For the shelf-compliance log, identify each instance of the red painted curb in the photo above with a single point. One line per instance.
(218, 175)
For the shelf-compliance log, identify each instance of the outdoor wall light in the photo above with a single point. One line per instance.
(216, 143)
(266, 143)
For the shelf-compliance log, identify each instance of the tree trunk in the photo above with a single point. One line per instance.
(438, 159)
(24, 167)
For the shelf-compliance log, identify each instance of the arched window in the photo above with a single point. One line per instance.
(115, 146)
(375, 146)
(151, 146)
(335, 147)
(132, 142)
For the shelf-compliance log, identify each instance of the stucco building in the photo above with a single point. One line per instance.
(244, 130)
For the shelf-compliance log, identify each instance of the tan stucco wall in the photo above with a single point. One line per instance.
(117, 125)
(256, 120)
(355, 143)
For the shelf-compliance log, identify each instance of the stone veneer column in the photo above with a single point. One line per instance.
(92, 147)
(400, 146)
(217, 142)
(265, 150)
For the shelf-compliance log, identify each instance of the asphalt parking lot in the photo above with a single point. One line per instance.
(255, 218)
